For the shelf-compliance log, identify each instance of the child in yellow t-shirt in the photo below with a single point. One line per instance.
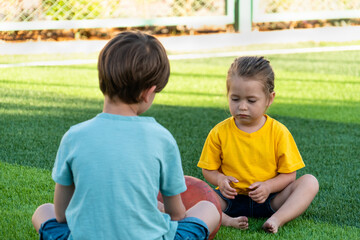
(253, 158)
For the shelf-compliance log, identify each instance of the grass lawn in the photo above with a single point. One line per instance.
(317, 98)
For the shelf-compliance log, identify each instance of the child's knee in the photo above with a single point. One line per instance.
(41, 214)
(210, 214)
(209, 206)
(208, 210)
(44, 211)
(310, 182)
(42, 208)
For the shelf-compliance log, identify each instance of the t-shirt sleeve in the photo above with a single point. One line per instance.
(172, 180)
(210, 158)
(289, 158)
(61, 172)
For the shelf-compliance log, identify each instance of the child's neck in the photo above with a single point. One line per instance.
(116, 106)
(251, 128)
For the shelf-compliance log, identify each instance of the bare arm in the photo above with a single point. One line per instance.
(62, 197)
(174, 207)
(281, 181)
(260, 191)
(219, 179)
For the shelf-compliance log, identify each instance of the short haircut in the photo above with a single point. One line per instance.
(130, 63)
(252, 67)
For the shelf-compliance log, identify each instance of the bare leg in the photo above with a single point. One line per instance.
(240, 222)
(292, 202)
(42, 214)
(207, 212)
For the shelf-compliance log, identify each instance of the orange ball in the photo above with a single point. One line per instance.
(198, 190)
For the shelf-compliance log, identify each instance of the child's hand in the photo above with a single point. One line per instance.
(225, 188)
(161, 207)
(259, 192)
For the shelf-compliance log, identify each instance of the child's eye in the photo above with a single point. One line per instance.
(251, 100)
(234, 99)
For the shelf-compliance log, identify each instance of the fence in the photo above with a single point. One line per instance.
(66, 14)
(77, 14)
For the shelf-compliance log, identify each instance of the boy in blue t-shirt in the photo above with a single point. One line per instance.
(110, 169)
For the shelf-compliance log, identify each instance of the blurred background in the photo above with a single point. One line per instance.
(100, 19)
(49, 82)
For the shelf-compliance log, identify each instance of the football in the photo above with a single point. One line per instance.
(198, 190)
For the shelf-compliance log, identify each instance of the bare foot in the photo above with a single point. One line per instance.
(271, 225)
(237, 222)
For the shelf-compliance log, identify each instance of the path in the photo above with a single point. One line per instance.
(196, 42)
(189, 44)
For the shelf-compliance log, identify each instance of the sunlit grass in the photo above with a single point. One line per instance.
(20, 58)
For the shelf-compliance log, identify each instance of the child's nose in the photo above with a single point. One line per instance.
(242, 105)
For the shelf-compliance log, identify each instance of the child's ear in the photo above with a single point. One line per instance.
(146, 94)
(271, 98)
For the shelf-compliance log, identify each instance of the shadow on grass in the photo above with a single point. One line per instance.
(329, 149)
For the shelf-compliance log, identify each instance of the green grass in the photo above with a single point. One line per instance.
(317, 98)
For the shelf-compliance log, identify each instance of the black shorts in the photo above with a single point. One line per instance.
(243, 205)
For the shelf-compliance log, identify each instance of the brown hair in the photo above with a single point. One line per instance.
(252, 67)
(130, 63)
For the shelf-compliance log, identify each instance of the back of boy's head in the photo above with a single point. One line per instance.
(130, 63)
(253, 67)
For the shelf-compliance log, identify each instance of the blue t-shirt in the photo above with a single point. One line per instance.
(118, 164)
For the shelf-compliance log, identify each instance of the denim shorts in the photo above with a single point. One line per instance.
(191, 228)
(243, 205)
(51, 229)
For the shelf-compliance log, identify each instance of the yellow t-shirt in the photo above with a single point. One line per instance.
(250, 157)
